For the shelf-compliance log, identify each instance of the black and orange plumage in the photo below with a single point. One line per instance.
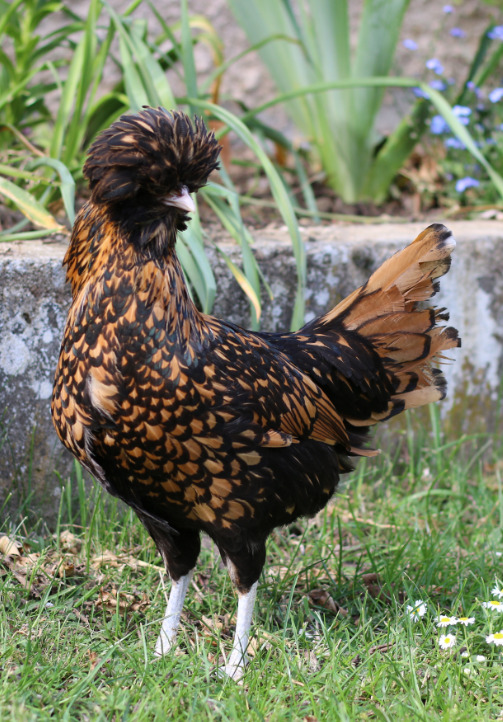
(196, 423)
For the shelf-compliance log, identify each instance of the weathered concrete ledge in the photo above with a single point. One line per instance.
(34, 301)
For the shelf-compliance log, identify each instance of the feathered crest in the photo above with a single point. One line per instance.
(151, 152)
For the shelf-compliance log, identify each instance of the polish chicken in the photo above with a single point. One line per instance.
(196, 423)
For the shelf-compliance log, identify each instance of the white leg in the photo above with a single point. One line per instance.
(238, 660)
(172, 615)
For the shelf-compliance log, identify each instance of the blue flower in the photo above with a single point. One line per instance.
(435, 65)
(409, 44)
(461, 110)
(437, 84)
(448, 9)
(454, 143)
(471, 86)
(463, 183)
(438, 125)
(462, 113)
(420, 93)
(496, 95)
(458, 33)
(496, 33)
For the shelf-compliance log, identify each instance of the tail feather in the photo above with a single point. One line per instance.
(405, 278)
(388, 311)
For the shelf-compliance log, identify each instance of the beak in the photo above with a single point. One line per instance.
(181, 199)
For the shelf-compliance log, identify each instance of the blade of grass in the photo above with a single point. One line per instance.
(196, 264)
(274, 135)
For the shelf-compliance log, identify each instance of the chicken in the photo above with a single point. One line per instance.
(196, 423)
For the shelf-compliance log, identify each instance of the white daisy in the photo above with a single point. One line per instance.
(443, 621)
(417, 610)
(466, 620)
(447, 641)
(494, 604)
(480, 658)
(497, 592)
(496, 638)
(465, 654)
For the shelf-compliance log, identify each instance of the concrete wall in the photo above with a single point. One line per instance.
(34, 301)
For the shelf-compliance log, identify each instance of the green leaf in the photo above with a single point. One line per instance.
(462, 133)
(29, 206)
(145, 80)
(244, 284)
(230, 217)
(189, 65)
(280, 196)
(67, 183)
(395, 151)
(338, 121)
(437, 99)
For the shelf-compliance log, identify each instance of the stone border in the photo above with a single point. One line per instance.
(34, 301)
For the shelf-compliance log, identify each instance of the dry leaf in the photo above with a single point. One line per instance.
(69, 542)
(123, 601)
(253, 647)
(106, 557)
(322, 598)
(81, 617)
(9, 547)
(66, 568)
(377, 648)
(211, 623)
(121, 560)
(22, 579)
(374, 587)
(93, 657)
(29, 631)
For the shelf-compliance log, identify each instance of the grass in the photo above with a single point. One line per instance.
(333, 639)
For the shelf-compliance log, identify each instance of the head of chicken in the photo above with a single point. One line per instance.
(145, 167)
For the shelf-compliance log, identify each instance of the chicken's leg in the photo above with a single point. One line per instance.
(172, 614)
(238, 660)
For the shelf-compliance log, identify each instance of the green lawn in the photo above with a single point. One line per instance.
(80, 609)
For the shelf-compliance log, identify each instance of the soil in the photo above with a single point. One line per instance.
(405, 203)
